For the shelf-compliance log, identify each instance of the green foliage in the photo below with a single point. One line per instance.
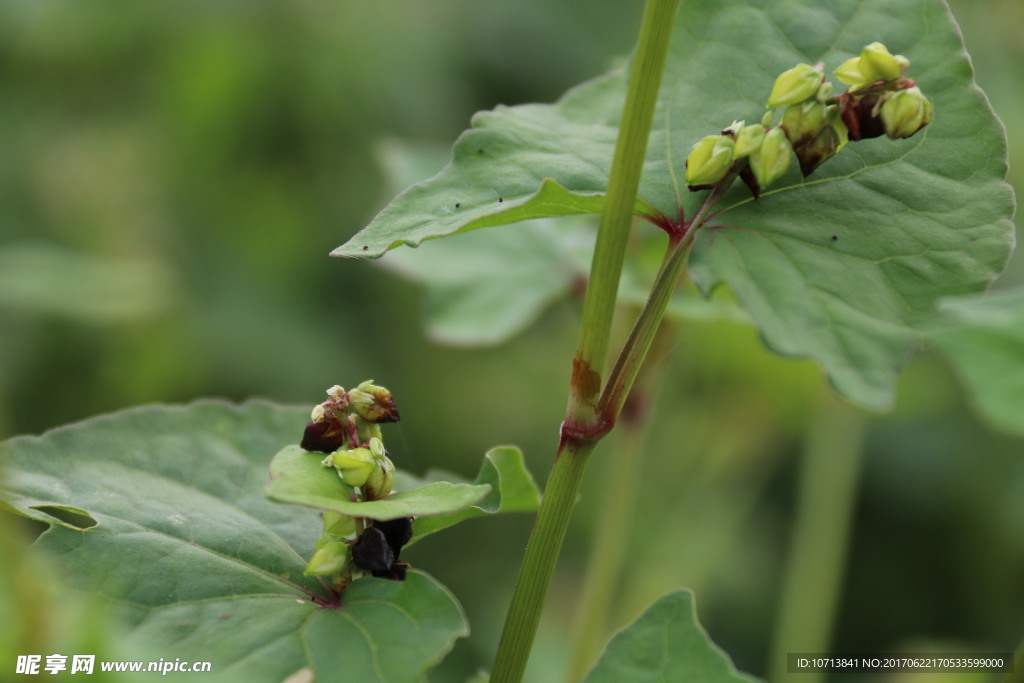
(666, 644)
(984, 340)
(296, 476)
(503, 485)
(489, 285)
(161, 510)
(842, 267)
(512, 489)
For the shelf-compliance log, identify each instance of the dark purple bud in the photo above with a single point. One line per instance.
(324, 437)
(861, 116)
(817, 151)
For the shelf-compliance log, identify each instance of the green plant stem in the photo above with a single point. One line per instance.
(628, 364)
(584, 426)
(623, 182)
(619, 499)
(826, 493)
(539, 561)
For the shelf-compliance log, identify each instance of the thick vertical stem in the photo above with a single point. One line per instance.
(826, 495)
(623, 183)
(605, 562)
(618, 501)
(584, 424)
(539, 562)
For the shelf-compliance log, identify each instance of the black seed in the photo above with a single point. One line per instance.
(371, 551)
(397, 533)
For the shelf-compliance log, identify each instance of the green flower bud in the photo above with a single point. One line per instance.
(748, 140)
(836, 122)
(329, 559)
(355, 465)
(367, 430)
(381, 480)
(337, 525)
(770, 162)
(849, 72)
(905, 112)
(709, 161)
(802, 122)
(766, 120)
(878, 64)
(795, 85)
(373, 403)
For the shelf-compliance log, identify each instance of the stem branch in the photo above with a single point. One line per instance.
(623, 182)
(584, 425)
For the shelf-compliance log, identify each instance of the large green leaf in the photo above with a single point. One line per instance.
(984, 339)
(488, 285)
(665, 644)
(161, 509)
(842, 266)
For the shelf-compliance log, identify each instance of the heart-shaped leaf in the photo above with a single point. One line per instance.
(984, 339)
(162, 510)
(665, 644)
(842, 266)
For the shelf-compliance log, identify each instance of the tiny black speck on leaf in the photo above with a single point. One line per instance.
(480, 151)
(501, 199)
(458, 204)
(834, 238)
(365, 247)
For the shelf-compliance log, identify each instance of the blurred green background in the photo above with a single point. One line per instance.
(173, 175)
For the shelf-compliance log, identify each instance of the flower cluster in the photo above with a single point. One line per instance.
(347, 428)
(815, 124)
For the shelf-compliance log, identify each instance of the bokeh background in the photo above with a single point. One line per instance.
(173, 176)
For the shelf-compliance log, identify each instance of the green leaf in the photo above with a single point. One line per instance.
(665, 644)
(499, 175)
(296, 476)
(984, 340)
(489, 285)
(503, 485)
(200, 565)
(844, 266)
(512, 490)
